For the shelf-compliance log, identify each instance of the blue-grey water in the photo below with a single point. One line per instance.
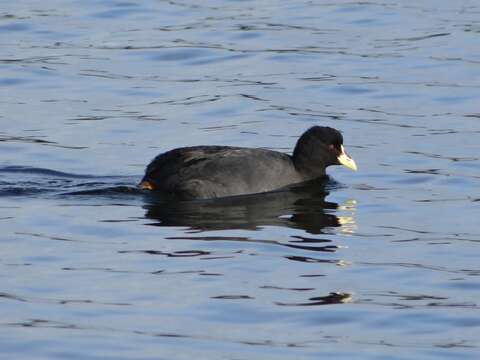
(377, 264)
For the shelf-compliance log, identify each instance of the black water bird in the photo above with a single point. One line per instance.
(204, 172)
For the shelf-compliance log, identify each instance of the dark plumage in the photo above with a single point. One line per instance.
(203, 172)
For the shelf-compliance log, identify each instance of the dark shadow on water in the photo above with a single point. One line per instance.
(330, 299)
(302, 206)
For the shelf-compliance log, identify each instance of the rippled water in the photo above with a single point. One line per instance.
(382, 263)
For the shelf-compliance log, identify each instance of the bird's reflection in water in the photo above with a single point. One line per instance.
(301, 207)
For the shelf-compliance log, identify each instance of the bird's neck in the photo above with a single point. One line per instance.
(308, 169)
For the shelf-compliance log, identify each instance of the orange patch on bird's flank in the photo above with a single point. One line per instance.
(146, 185)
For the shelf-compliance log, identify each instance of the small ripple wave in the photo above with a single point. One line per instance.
(17, 181)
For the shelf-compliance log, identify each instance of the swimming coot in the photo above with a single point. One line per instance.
(203, 172)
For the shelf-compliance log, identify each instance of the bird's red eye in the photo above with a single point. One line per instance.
(334, 147)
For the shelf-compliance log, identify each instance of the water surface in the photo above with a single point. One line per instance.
(381, 263)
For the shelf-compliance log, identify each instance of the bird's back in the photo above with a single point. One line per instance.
(217, 171)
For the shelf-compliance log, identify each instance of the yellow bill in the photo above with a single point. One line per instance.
(346, 160)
